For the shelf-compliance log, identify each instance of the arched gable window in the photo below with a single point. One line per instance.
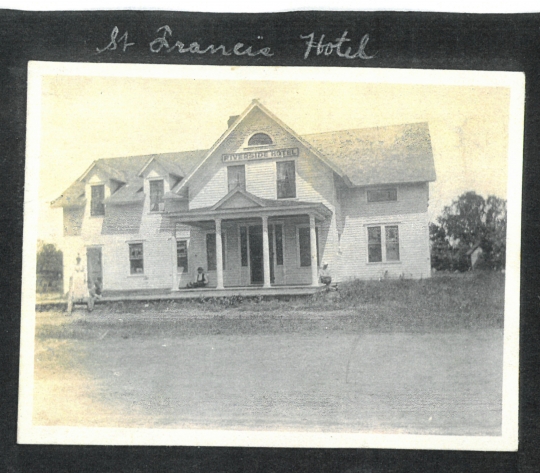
(260, 139)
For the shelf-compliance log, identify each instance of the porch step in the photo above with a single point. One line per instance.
(120, 296)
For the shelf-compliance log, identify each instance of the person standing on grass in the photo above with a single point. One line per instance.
(78, 288)
(200, 281)
(324, 275)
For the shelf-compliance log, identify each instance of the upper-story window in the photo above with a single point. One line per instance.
(236, 176)
(286, 179)
(260, 139)
(156, 195)
(388, 194)
(97, 205)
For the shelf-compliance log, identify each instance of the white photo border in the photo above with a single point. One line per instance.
(508, 441)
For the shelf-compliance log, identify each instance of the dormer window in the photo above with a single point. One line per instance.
(260, 139)
(156, 195)
(97, 205)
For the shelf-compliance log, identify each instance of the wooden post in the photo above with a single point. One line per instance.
(219, 255)
(313, 244)
(266, 252)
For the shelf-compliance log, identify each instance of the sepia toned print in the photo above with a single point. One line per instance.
(271, 257)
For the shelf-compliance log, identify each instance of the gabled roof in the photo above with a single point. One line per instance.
(381, 155)
(256, 104)
(73, 196)
(126, 170)
(362, 157)
(252, 203)
(166, 162)
(247, 199)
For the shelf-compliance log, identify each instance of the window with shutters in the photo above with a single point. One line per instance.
(156, 195)
(286, 179)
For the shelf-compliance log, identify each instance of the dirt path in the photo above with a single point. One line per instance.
(431, 383)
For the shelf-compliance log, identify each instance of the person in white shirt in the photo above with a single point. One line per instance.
(324, 275)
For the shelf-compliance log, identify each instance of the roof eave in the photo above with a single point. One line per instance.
(318, 209)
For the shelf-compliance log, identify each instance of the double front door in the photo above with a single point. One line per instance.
(256, 253)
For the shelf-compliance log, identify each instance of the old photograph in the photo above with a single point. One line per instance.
(256, 256)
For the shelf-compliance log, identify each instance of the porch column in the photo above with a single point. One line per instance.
(174, 265)
(266, 252)
(219, 255)
(313, 244)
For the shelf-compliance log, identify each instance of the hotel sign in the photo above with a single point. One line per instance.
(249, 156)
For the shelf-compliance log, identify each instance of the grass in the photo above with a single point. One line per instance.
(445, 302)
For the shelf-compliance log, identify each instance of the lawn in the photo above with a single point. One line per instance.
(422, 357)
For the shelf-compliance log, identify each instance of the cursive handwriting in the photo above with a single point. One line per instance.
(328, 48)
(113, 44)
(162, 43)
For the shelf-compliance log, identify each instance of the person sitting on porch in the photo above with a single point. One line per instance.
(201, 280)
(324, 275)
(96, 289)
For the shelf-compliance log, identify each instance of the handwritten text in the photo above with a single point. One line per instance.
(328, 48)
(163, 43)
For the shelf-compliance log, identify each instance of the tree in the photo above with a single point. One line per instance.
(49, 267)
(468, 221)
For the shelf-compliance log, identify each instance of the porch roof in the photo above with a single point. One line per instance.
(239, 203)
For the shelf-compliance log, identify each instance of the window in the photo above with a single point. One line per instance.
(97, 207)
(260, 139)
(181, 255)
(392, 243)
(279, 244)
(136, 258)
(237, 177)
(383, 246)
(156, 196)
(243, 246)
(286, 179)
(304, 245)
(211, 251)
(382, 195)
(374, 245)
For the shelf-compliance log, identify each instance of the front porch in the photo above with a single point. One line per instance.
(152, 295)
(186, 294)
(249, 242)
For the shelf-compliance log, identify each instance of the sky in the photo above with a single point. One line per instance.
(85, 118)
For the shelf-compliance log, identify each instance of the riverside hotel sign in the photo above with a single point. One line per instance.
(249, 156)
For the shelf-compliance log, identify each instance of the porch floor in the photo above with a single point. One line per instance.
(164, 294)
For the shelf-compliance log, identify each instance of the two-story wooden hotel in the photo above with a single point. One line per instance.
(262, 207)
